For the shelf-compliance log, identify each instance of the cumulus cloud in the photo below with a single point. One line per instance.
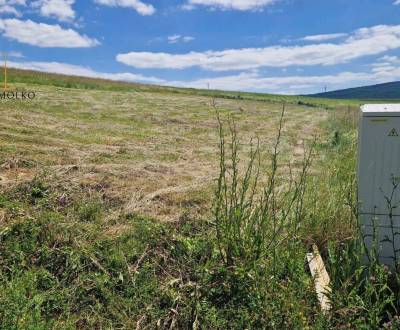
(324, 37)
(59, 9)
(230, 4)
(178, 38)
(9, 10)
(77, 70)
(174, 39)
(257, 82)
(363, 42)
(386, 65)
(391, 59)
(244, 81)
(386, 61)
(44, 35)
(300, 84)
(13, 2)
(9, 7)
(187, 39)
(141, 7)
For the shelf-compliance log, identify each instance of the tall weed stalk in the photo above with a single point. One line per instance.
(254, 220)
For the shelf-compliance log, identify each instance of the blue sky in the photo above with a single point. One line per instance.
(277, 46)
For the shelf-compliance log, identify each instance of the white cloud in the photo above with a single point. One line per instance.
(147, 60)
(44, 35)
(9, 7)
(188, 39)
(257, 82)
(386, 65)
(245, 81)
(229, 4)
(174, 39)
(60, 9)
(13, 2)
(178, 38)
(362, 42)
(397, 2)
(76, 70)
(6, 9)
(324, 37)
(141, 7)
(302, 84)
(387, 58)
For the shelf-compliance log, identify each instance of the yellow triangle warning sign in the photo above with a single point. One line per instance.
(393, 132)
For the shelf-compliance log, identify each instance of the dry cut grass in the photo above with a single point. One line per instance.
(153, 153)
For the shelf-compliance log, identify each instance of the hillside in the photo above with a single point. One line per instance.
(388, 91)
(34, 78)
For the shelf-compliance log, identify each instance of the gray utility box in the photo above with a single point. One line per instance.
(378, 175)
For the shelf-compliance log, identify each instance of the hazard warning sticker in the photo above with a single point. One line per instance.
(393, 132)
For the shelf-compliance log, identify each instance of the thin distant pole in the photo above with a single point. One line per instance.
(5, 71)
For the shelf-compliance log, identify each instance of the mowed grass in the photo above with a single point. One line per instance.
(126, 206)
(158, 152)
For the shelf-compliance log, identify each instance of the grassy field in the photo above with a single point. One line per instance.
(155, 153)
(128, 206)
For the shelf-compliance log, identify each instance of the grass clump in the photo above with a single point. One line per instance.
(89, 211)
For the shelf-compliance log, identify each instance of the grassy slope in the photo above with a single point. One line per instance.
(39, 78)
(80, 169)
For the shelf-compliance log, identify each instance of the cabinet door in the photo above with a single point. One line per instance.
(379, 164)
(378, 169)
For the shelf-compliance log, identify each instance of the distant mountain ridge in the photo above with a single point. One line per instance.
(389, 90)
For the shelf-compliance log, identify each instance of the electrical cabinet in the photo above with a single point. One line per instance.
(379, 179)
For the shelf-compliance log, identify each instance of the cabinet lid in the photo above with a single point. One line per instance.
(381, 110)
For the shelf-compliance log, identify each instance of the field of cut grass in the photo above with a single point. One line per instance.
(156, 153)
(133, 207)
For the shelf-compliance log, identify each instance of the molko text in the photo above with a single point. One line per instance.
(8, 94)
(17, 95)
